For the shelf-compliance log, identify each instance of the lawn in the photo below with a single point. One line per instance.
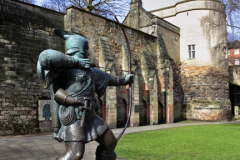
(204, 142)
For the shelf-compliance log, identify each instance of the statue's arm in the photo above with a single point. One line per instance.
(103, 79)
(51, 63)
(111, 80)
(51, 59)
(118, 81)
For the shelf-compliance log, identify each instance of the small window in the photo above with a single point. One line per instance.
(236, 51)
(191, 51)
(236, 61)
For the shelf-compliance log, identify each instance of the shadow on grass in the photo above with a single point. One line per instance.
(188, 121)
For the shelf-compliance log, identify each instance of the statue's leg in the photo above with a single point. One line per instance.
(74, 151)
(107, 143)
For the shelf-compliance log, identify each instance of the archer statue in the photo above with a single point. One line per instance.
(73, 85)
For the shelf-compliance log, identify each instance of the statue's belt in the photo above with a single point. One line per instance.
(89, 103)
(85, 104)
(63, 98)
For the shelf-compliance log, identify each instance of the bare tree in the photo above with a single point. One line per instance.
(233, 17)
(106, 8)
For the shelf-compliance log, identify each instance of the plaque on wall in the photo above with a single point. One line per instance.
(136, 108)
(44, 110)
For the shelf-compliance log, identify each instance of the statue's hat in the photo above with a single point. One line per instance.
(74, 43)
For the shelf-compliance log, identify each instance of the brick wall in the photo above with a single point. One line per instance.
(25, 31)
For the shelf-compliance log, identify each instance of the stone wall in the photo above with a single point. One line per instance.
(206, 93)
(23, 37)
(25, 31)
(168, 56)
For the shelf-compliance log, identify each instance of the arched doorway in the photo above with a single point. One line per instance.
(160, 113)
(121, 114)
(143, 113)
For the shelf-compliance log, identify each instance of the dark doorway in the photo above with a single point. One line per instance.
(160, 113)
(234, 94)
(121, 114)
(143, 113)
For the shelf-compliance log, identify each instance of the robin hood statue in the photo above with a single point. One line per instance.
(73, 85)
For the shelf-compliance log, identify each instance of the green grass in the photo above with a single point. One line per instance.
(204, 142)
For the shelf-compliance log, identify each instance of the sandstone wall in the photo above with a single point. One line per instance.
(206, 93)
(25, 31)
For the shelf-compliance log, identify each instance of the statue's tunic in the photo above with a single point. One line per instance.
(81, 83)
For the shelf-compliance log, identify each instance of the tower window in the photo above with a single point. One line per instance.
(191, 51)
(236, 51)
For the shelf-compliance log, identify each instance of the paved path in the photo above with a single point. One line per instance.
(44, 147)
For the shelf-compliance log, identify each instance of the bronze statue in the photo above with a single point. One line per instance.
(73, 85)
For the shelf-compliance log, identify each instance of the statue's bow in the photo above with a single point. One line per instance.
(130, 72)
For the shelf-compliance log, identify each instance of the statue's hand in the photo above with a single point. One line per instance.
(128, 79)
(83, 63)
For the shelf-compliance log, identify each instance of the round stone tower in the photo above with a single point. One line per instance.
(203, 31)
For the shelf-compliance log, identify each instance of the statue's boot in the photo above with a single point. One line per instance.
(102, 155)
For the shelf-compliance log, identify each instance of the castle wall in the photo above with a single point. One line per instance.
(25, 31)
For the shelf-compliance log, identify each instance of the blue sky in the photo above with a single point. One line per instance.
(156, 4)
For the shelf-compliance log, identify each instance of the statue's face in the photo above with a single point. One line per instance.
(80, 54)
